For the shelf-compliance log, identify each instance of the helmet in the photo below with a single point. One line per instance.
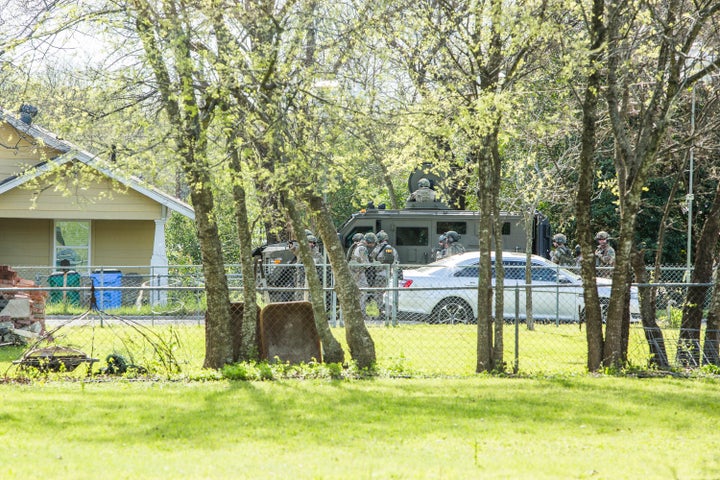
(312, 239)
(442, 238)
(423, 182)
(381, 236)
(357, 237)
(559, 238)
(308, 232)
(602, 235)
(452, 236)
(370, 237)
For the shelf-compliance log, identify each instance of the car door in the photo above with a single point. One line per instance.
(555, 298)
(514, 291)
(466, 279)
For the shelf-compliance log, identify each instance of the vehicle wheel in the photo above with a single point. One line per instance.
(452, 310)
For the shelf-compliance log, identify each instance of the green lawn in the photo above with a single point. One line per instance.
(413, 349)
(474, 427)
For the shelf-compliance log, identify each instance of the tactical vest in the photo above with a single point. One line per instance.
(387, 255)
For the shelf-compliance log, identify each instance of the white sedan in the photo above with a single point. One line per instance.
(446, 291)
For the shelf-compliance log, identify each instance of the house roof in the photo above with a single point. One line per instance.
(70, 153)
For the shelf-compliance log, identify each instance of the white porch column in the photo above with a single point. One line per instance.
(159, 264)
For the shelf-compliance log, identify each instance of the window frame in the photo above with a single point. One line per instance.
(58, 246)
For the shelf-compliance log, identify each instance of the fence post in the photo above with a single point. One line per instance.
(394, 285)
(557, 297)
(517, 329)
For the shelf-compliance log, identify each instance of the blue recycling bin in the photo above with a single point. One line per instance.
(107, 298)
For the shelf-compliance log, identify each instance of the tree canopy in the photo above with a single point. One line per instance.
(271, 114)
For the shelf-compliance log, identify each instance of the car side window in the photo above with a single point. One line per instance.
(544, 274)
(471, 271)
(514, 270)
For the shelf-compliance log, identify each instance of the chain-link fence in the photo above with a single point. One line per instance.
(421, 320)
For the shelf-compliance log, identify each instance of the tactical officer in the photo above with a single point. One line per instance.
(604, 254)
(384, 252)
(357, 240)
(359, 262)
(294, 273)
(371, 241)
(454, 247)
(386, 259)
(424, 193)
(562, 254)
(439, 252)
(578, 256)
(314, 249)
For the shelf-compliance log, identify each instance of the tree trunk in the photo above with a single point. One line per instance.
(248, 342)
(712, 329)
(218, 338)
(584, 192)
(496, 162)
(653, 333)
(362, 347)
(191, 122)
(485, 291)
(499, 343)
(332, 350)
(616, 331)
(688, 352)
(636, 146)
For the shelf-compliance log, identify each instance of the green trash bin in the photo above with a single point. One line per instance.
(65, 279)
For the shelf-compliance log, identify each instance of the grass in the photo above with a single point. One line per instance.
(476, 427)
(408, 349)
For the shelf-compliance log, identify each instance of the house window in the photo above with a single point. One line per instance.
(72, 243)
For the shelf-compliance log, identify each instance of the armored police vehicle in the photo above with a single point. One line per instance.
(414, 231)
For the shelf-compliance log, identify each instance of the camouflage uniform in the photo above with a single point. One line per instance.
(315, 250)
(359, 267)
(357, 240)
(386, 255)
(295, 272)
(604, 254)
(438, 252)
(424, 193)
(562, 255)
(454, 249)
(453, 245)
(383, 257)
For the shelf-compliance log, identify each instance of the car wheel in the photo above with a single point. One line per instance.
(452, 310)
